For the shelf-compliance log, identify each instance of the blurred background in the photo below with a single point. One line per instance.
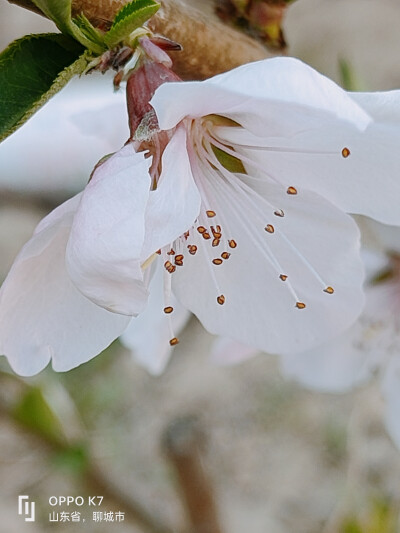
(271, 456)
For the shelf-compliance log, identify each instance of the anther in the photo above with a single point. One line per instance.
(217, 261)
(192, 249)
(345, 152)
(168, 310)
(217, 234)
(174, 341)
(329, 290)
(201, 229)
(291, 190)
(279, 213)
(283, 277)
(211, 214)
(269, 228)
(186, 235)
(225, 255)
(179, 260)
(216, 242)
(232, 244)
(206, 235)
(300, 305)
(169, 267)
(171, 252)
(221, 299)
(158, 252)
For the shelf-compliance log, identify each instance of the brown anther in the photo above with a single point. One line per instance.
(291, 190)
(210, 213)
(179, 260)
(221, 299)
(300, 305)
(206, 235)
(329, 290)
(217, 234)
(201, 229)
(283, 277)
(168, 310)
(345, 152)
(279, 213)
(192, 249)
(232, 244)
(186, 235)
(158, 252)
(225, 255)
(169, 267)
(217, 261)
(174, 341)
(270, 228)
(216, 242)
(171, 252)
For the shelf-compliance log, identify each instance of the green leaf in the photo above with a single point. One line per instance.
(87, 29)
(59, 11)
(33, 69)
(128, 19)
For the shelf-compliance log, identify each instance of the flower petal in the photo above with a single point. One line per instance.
(391, 395)
(172, 207)
(42, 314)
(148, 335)
(362, 181)
(277, 96)
(315, 245)
(227, 352)
(104, 248)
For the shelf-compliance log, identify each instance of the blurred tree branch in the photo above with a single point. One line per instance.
(209, 46)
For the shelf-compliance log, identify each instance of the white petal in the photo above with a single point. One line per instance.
(42, 314)
(173, 207)
(274, 96)
(148, 335)
(366, 182)
(104, 249)
(316, 245)
(227, 352)
(383, 106)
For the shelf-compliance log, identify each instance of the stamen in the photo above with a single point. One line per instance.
(345, 152)
(168, 310)
(279, 213)
(174, 341)
(225, 255)
(192, 249)
(216, 242)
(217, 261)
(206, 235)
(169, 267)
(221, 299)
(283, 277)
(179, 260)
(201, 229)
(210, 213)
(232, 243)
(291, 190)
(171, 252)
(300, 305)
(329, 290)
(269, 228)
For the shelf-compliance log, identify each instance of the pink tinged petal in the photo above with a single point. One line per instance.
(172, 207)
(42, 314)
(279, 96)
(148, 335)
(227, 352)
(314, 244)
(104, 248)
(362, 181)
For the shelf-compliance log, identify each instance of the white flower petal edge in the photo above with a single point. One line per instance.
(148, 335)
(300, 129)
(227, 352)
(42, 314)
(104, 249)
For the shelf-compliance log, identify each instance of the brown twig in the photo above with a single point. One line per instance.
(209, 46)
(183, 443)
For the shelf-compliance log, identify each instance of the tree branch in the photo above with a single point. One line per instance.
(209, 46)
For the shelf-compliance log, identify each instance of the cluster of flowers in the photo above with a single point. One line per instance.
(232, 201)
